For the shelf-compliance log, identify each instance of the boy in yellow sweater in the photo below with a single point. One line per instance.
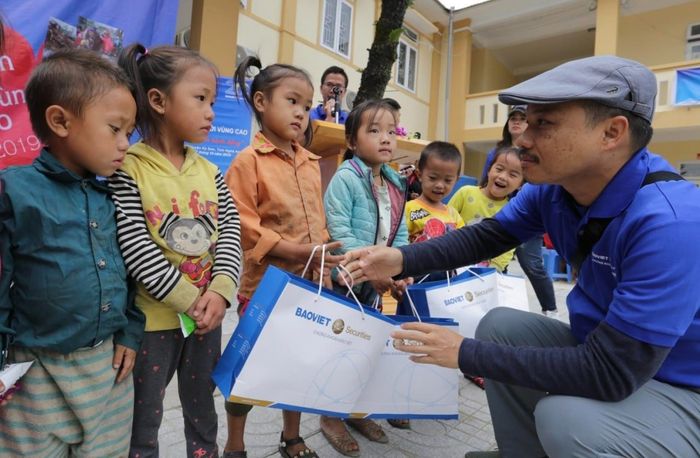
(438, 169)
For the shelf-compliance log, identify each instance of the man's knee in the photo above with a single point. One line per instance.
(564, 428)
(499, 324)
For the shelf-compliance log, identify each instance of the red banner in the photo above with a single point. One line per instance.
(18, 144)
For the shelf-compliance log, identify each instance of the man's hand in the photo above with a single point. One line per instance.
(213, 307)
(328, 108)
(429, 344)
(123, 361)
(373, 263)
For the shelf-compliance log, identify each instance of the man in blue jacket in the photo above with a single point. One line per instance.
(334, 83)
(624, 378)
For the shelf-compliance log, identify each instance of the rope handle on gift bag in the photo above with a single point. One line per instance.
(375, 302)
(480, 277)
(413, 306)
(350, 291)
(468, 268)
(308, 263)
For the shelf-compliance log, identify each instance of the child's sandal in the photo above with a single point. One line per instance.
(284, 444)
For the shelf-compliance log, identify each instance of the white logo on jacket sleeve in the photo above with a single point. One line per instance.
(603, 261)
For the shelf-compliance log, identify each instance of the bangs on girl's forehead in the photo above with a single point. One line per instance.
(371, 116)
(289, 80)
(510, 159)
(281, 76)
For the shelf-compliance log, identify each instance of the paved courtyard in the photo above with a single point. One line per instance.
(426, 438)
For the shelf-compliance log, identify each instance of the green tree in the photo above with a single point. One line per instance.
(382, 54)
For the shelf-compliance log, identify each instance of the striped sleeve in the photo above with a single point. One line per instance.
(143, 258)
(227, 255)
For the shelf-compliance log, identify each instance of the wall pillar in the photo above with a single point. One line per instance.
(287, 32)
(607, 19)
(214, 32)
(435, 76)
(459, 80)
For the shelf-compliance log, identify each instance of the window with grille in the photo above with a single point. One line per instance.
(406, 63)
(337, 26)
(692, 48)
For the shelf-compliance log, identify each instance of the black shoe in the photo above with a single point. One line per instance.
(491, 454)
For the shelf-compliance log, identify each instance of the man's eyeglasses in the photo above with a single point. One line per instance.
(335, 88)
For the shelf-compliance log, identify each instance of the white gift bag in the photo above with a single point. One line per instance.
(512, 292)
(400, 388)
(468, 296)
(300, 347)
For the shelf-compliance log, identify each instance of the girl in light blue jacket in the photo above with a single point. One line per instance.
(364, 206)
(365, 199)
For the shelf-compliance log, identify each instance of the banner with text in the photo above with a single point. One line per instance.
(230, 131)
(36, 28)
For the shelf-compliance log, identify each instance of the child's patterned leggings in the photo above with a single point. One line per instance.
(163, 353)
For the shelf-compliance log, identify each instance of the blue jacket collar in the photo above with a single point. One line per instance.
(619, 192)
(363, 170)
(47, 164)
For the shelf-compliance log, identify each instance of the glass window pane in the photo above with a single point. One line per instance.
(345, 27)
(412, 69)
(401, 70)
(328, 38)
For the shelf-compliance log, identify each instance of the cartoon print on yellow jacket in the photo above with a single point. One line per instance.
(191, 237)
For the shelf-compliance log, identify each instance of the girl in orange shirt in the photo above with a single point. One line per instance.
(276, 184)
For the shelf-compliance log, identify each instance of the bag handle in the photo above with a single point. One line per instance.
(308, 263)
(469, 269)
(350, 291)
(340, 266)
(413, 306)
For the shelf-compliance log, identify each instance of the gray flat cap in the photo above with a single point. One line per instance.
(609, 80)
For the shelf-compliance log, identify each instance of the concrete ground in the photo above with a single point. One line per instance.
(426, 438)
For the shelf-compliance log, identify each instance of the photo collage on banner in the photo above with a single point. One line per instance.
(33, 30)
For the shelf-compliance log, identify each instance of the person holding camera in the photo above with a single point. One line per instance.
(334, 82)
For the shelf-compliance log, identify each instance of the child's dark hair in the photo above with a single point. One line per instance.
(158, 68)
(396, 105)
(500, 151)
(71, 79)
(266, 81)
(354, 120)
(442, 150)
(334, 69)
